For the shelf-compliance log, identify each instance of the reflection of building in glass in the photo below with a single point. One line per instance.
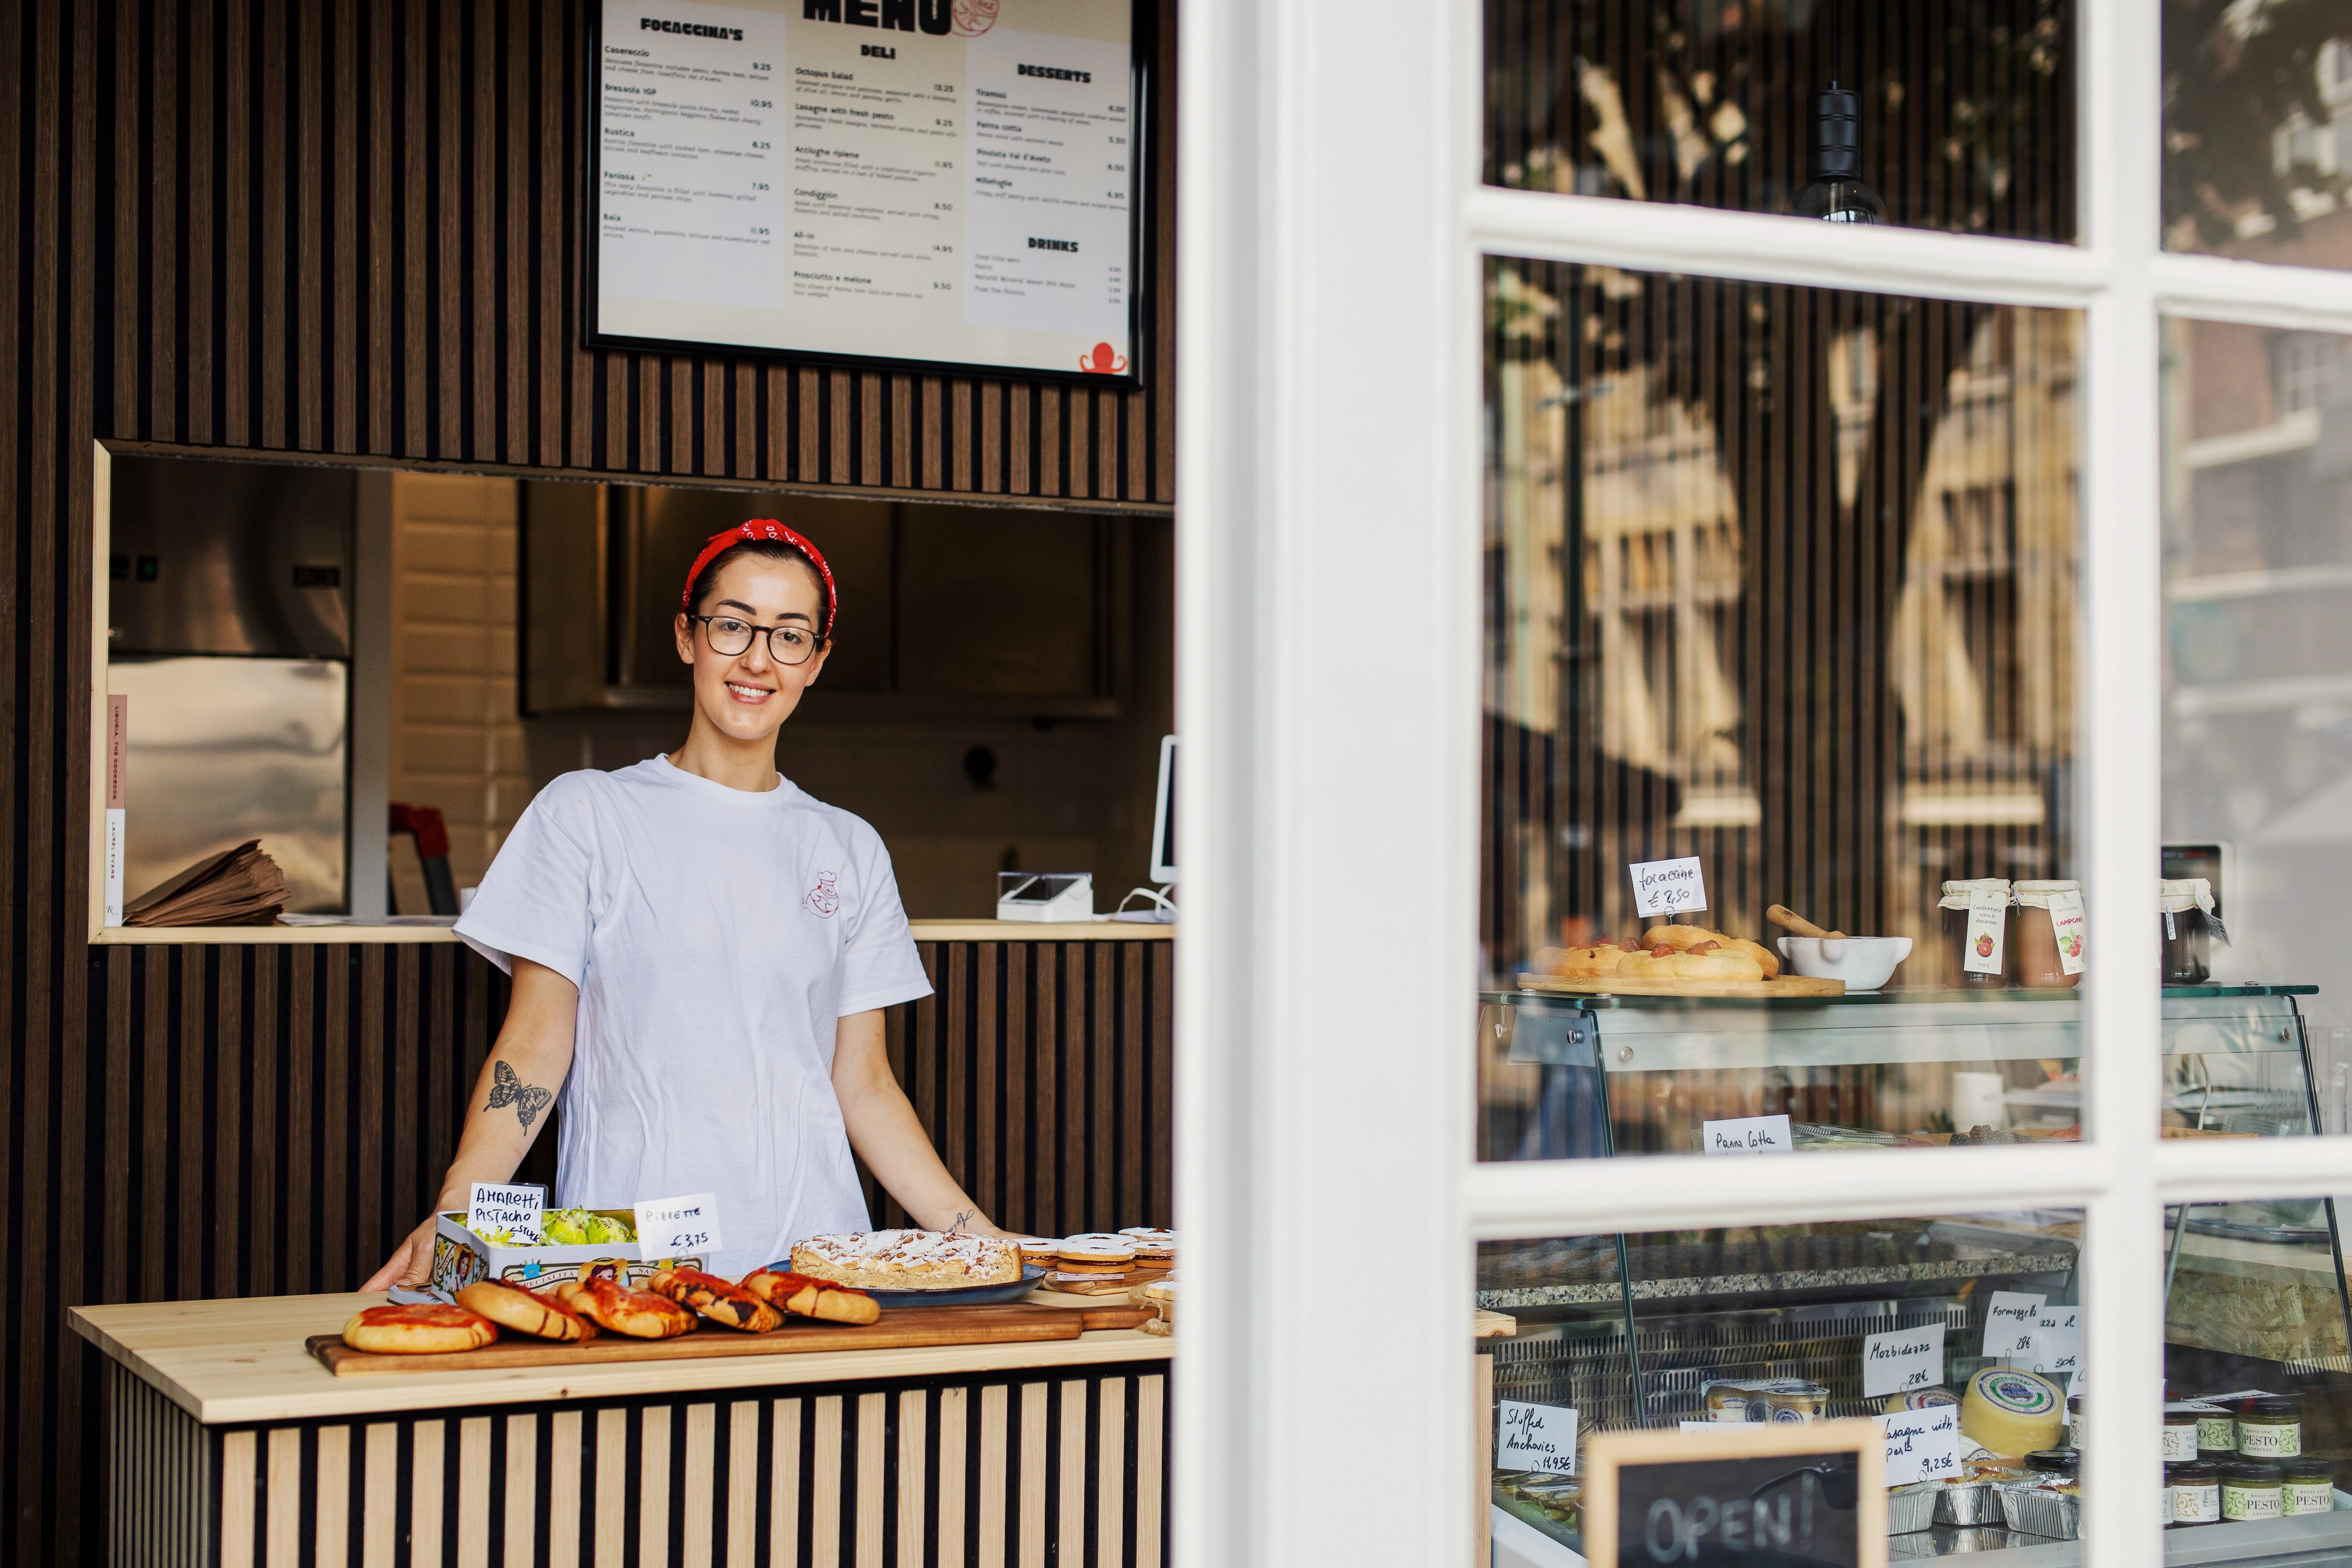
(1625, 669)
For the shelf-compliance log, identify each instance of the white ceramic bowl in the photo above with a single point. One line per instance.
(1863, 963)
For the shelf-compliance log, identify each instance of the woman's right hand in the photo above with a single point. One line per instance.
(410, 1262)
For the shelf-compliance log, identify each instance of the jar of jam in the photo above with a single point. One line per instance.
(2074, 1421)
(2055, 1461)
(1977, 943)
(2194, 1487)
(2048, 928)
(2186, 924)
(2309, 1486)
(2252, 1489)
(2270, 1428)
(2179, 1434)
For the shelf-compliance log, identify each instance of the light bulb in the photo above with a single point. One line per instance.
(1834, 189)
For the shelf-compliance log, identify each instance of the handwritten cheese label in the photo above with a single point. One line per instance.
(511, 1211)
(2010, 1322)
(1922, 1445)
(1904, 1359)
(1747, 1135)
(2066, 921)
(1987, 931)
(1667, 887)
(1535, 1437)
(676, 1228)
(2057, 1351)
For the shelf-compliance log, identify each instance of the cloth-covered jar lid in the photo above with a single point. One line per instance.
(2178, 896)
(2037, 894)
(1956, 894)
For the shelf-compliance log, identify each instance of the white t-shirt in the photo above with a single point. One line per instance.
(716, 936)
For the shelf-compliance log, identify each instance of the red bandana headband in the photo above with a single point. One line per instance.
(763, 528)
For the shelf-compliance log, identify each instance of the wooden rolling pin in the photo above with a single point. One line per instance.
(1795, 924)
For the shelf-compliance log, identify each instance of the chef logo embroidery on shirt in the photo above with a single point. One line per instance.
(825, 898)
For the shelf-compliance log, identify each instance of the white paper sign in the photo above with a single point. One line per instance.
(2009, 1323)
(1535, 1437)
(1922, 1445)
(668, 1227)
(1904, 1359)
(515, 1210)
(1747, 1135)
(2057, 1350)
(1987, 931)
(1667, 887)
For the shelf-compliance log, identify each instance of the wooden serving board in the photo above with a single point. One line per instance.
(900, 1328)
(1606, 985)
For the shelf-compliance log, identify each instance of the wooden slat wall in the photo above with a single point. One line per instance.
(353, 227)
(1043, 1071)
(909, 1474)
(349, 227)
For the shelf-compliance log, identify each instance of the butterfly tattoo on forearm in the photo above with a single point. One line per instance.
(506, 1089)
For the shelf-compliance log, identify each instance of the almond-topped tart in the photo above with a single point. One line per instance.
(908, 1260)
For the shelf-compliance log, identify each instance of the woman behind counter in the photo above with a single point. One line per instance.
(702, 953)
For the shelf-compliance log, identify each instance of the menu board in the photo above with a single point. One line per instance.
(942, 182)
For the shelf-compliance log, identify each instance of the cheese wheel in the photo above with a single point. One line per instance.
(2012, 1411)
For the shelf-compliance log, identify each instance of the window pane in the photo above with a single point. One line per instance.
(2258, 1423)
(1782, 581)
(1961, 111)
(2258, 712)
(2258, 130)
(1754, 1330)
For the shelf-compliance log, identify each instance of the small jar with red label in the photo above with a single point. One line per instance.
(1978, 945)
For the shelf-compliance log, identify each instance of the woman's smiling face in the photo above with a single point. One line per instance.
(748, 695)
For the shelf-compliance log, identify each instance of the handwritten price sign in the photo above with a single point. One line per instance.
(1922, 1445)
(2009, 1323)
(673, 1227)
(1535, 1437)
(1667, 887)
(1747, 1135)
(1899, 1361)
(513, 1211)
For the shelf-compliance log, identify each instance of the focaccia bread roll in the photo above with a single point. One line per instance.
(1711, 964)
(1683, 938)
(909, 1260)
(1586, 962)
(639, 1314)
(810, 1298)
(525, 1311)
(716, 1300)
(422, 1328)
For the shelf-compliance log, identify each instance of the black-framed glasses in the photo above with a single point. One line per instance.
(731, 635)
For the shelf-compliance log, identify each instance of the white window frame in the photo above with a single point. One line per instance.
(1331, 236)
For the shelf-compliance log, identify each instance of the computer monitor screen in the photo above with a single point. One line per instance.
(1163, 816)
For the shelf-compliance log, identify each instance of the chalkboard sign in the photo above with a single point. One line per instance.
(1748, 1496)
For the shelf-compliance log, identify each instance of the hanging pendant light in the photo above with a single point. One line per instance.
(1834, 189)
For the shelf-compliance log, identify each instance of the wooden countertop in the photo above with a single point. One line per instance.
(925, 930)
(239, 1361)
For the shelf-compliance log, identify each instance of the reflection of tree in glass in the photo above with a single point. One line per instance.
(2237, 74)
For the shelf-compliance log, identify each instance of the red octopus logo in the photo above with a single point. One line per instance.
(1103, 361)
(825, 898)
(973, 17)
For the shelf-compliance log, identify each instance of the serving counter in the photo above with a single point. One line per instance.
(227, 1443)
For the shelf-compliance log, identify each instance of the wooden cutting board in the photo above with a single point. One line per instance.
(900, 1328)
(1792, 985)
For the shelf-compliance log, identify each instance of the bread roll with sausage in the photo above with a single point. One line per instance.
(808, 1297)
(717, 1299)
(1683, 938)
(639, 1314)
(526, 1312)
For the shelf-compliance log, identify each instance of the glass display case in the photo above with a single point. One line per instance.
(1649, 1331)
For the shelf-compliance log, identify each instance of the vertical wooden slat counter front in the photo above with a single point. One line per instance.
(227, 1445)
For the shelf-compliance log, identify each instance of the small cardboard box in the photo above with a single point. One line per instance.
(460, 1257)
